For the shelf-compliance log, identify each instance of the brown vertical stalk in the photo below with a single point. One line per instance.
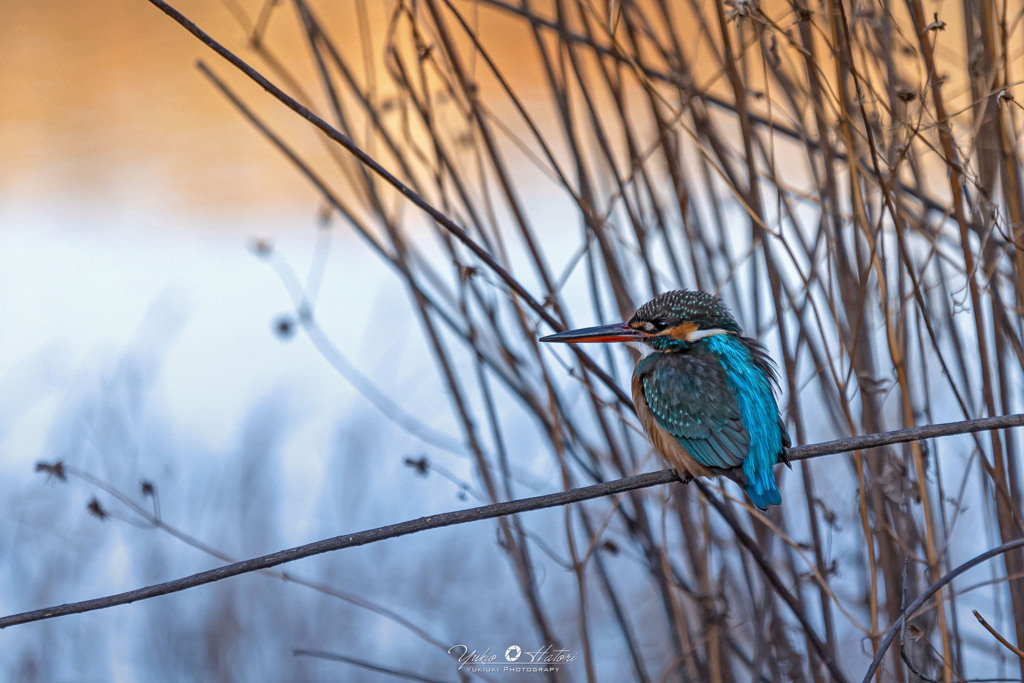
(1006, 515)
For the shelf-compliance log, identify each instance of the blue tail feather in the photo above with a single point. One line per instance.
(762, 499)
(761, 488)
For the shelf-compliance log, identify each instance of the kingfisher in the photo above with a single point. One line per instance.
(704, 392)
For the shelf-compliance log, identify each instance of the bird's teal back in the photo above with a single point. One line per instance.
(760, 414)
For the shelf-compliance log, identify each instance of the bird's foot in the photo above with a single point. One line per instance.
(684, 476)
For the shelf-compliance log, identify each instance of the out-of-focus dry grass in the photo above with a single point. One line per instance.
(846, 175)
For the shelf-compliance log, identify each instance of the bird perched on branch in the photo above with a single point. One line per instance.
(703, 391)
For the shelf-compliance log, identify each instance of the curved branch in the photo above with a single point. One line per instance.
(490, 512)
(932, 590)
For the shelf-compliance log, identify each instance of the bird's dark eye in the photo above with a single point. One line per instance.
(660, 324)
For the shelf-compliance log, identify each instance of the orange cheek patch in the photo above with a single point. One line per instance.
(682, 332)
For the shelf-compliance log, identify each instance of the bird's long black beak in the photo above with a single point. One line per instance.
(618, 332)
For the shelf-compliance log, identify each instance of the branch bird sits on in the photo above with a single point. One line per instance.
(703, 392)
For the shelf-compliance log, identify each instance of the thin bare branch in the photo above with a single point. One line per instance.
(491, 512)
(997, 635)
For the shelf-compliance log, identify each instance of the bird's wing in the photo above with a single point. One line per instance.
(691, 400)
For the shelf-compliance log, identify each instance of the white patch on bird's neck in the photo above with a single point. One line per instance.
(697, 335)
(644, 349)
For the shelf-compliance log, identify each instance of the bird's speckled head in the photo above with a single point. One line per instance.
(669, 322)
(675, 319)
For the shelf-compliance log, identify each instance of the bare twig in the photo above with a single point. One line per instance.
(998, 636)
